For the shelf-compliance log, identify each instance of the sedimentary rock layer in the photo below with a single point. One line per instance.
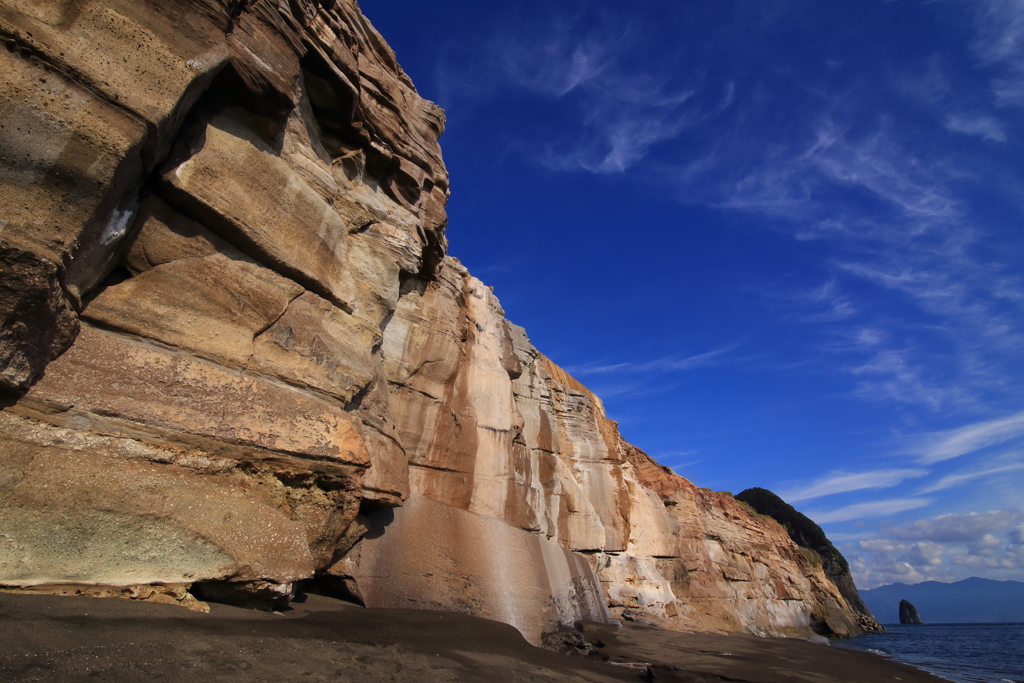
(234, 354)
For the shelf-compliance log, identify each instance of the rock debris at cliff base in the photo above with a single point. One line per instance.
(235, 354)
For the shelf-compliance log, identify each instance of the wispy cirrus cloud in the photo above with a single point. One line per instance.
(623, 122)
(876, 508)
(982, 125)
(614, 109)
(557, 61)
(844, 482)
(874, 169)
(892, 376)
(969, 527)
(999, 40)
(946, 445)
(803, 177)
(954, 480)
(930, 88)
(669, 364)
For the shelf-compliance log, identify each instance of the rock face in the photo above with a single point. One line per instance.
(908, 613)
(806, 534)
(234, 354)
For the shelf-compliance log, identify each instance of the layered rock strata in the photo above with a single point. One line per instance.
(806, 534)
(234, 355)
(207, 213)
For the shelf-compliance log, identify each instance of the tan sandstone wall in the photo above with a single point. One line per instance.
(234, 354)
(207, 212)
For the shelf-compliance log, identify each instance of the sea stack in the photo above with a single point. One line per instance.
(908, 613)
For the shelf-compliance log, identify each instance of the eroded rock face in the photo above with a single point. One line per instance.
(207, 212)
(234, 355)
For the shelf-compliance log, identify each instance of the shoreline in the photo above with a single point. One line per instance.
(53, 638)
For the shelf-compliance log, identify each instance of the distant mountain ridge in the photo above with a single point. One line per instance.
(973, 600)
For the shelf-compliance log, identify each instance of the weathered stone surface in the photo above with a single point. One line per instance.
(428, 555)
(36, 321)
(245, 204)
(809, 536)
(493, 427)
(320, 346)
(741, 572)
(237, 183)
(152, 63)
(86, 508)
(191, 296)
(111, 375)
(194, 291)
(246, 323)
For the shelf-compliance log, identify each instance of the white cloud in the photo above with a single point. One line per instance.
(932, 90)
(986, 127)
(944, 548)
(939, 446)
(870, 165)
(619, 111)
(1000, 31)
(707, 358)
(890, 376)
(829, 303)
(999, 40)
(555, 63)
(1009, 92)
(883, 194)
(878, 508)
(953, 480)
(880, 561)
(969, 528)
(842, 482)
(622, 121)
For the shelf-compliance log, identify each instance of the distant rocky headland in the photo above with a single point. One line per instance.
(236, 358)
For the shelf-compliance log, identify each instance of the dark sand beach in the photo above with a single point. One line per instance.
(49, 638)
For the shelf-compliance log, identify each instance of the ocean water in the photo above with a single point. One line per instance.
(964, 653)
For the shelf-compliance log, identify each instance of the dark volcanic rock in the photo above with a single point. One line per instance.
(908, 613)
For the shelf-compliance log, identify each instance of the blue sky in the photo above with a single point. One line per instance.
(782, 239)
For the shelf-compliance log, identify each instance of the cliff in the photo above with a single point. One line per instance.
(806, 534)
(235, 356)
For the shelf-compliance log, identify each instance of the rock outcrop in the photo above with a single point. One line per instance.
(908, 613)
(806, 534)
(234, 354)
